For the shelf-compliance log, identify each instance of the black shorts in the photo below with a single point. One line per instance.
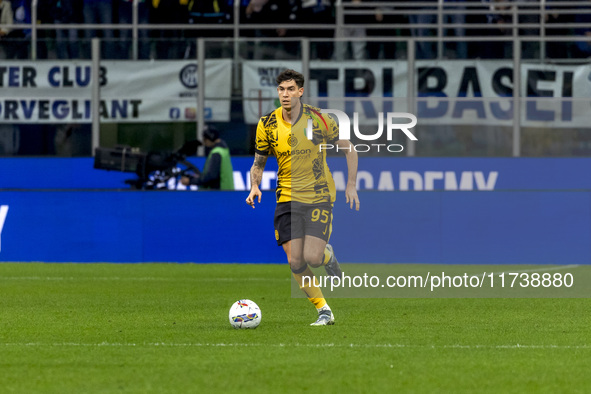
(295, 220)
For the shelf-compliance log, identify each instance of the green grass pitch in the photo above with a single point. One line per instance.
(163, 328)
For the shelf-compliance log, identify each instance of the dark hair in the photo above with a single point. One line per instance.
(211, 133)
(288, 75)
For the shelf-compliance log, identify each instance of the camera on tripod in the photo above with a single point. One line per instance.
(153, 168)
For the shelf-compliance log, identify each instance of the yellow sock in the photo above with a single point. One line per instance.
(304, 279)
(326, 257)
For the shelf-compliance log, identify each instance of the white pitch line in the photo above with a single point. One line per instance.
(254, 279)
(289, 345)
(155, 279)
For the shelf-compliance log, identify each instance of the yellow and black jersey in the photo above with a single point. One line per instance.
(303, 174)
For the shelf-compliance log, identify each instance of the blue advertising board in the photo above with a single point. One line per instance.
(136, 226)
(541, 227)
(377, 173)
(423, 210)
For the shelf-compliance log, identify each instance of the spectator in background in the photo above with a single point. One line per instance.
(384, 19)
(6, 18)
(428, 49)
(319, 12)
(498, 17)
(18, 40)
(456, 17)
(583, 45)
(281, 12)
(530, 14)
(168, 43)
(66, 12)
(99, 12)
(217, 172)
(501, 15)
(45, 38)
(424, 49)
(558, 14)
(125, 13)
(260, 12)
(210, 12)
(357, 48)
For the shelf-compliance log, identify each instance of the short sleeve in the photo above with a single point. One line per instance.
(261, 145)
(332, 132)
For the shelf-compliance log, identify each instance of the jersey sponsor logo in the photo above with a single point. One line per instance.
(294, 152)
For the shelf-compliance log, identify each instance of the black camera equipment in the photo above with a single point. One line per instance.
(152, 168)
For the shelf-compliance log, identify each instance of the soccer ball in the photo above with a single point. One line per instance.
(245, 314)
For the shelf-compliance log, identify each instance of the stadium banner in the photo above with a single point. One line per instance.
(131, 91)
(449, 92)
(375, 173)
(335, 80)
(515, 227)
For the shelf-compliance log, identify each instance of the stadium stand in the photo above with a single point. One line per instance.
(547, 32)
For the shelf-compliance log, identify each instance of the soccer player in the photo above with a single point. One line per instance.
(305, 189)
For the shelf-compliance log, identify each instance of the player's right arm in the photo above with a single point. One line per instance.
(262, 149)
(256, 175)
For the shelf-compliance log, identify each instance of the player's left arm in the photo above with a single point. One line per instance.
(351, 157)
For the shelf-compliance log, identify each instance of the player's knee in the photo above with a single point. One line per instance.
(296, 263)
(314, 260)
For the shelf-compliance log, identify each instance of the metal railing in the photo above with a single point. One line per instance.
(236, 38)
(344, 10)
(412, 96)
